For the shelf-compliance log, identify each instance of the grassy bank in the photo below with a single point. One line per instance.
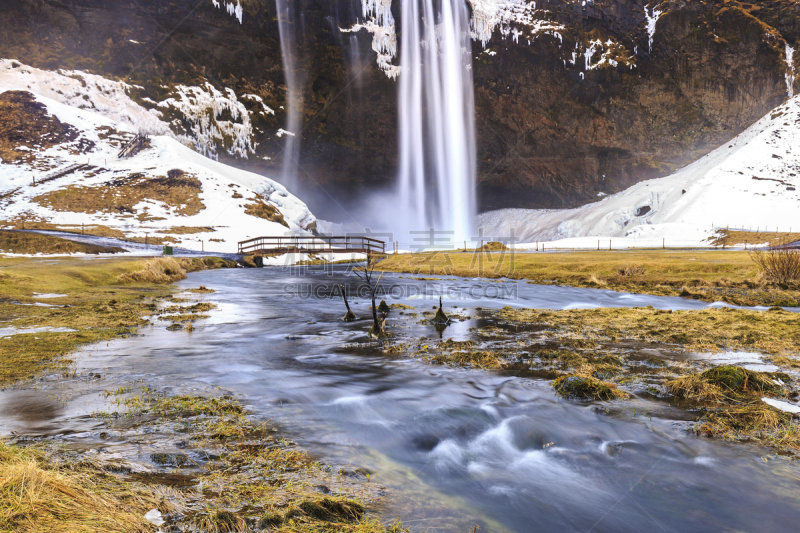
(88, 301)
(35, 243)
(231, 474)
(709, 275)
(753, 238)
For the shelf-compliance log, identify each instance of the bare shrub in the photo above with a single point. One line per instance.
(781, 265)
(631, 270)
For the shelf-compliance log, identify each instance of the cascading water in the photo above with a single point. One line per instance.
(437, 118)
(294, 96)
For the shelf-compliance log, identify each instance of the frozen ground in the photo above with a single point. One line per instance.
(225, 193)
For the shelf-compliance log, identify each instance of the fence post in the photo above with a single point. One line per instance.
(664, 243)
(609, 245)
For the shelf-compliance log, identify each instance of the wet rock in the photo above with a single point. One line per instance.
(169, 459)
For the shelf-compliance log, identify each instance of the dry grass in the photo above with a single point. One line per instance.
(708, 275)
(183, 230)
(36, 243)
(261, 209)
(707, 330)
(587, 388)
(724, 382)
(750, 238)
(493, 246)
(169, 270)
(25, 122)
(36, 495)
(179, 193)
(259, 481)
(475, 359)
(731, 397)
(158, 270)
(632, 270)
(256, 481)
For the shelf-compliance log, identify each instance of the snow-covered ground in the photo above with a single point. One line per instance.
(225, 190)
(750, 182)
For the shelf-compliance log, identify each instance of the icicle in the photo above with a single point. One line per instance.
(651, 25)
(792, 73)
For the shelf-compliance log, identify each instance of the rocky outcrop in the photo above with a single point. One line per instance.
(591, 108)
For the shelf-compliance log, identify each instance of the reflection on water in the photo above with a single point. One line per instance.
(455, 447)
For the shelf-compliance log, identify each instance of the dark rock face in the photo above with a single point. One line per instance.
(550, 134)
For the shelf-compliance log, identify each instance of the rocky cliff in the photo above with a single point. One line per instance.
(573, 99)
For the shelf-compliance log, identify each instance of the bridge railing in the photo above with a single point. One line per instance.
(312, 244)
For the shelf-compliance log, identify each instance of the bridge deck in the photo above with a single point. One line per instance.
(312, 245)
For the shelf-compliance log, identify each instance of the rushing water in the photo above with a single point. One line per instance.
(454, 447)
(287, 28)
(436, 118)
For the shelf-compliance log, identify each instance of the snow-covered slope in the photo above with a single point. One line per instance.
(750, 182)
(200, 116)
(210, 197)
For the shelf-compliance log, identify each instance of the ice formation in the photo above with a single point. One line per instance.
(200, 106)
(792, 73)
(266, 110)
(380, 23)
(513, 19)
(612, 54)
(651, 24)
(233, 10)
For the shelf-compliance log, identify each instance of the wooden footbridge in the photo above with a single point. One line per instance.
(311, 245)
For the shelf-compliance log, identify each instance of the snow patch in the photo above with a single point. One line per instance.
(266, 109)
(652, 19)
(783, 406)
(224, 193)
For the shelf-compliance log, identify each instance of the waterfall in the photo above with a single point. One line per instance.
(294, 96)
(436, 118)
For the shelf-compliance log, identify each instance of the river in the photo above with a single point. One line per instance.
(454, 447)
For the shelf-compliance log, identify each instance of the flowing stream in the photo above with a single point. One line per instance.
(436, 118)
(455, 448)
